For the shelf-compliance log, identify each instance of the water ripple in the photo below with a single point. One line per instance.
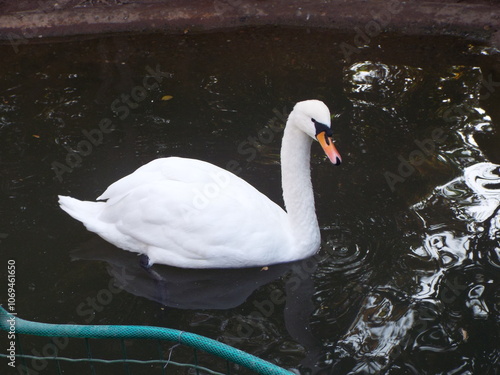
(373, 83)
(346, 255)
(453, 275)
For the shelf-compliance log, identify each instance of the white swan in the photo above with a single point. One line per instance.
(192, 214)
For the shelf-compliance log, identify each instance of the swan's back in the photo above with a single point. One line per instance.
(164, 169)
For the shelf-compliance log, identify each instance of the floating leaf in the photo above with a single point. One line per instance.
(166, 97)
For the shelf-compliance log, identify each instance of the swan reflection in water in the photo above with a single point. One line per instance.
(398, 325)
(219, 289)
(191, 289)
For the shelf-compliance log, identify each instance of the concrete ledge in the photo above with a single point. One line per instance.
(474, 20)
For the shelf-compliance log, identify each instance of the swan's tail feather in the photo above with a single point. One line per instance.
(84, 211)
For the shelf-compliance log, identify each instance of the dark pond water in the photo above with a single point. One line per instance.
(406, 281)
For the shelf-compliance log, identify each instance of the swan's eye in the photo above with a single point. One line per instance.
(320, 127)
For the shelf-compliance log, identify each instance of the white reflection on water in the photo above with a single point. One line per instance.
(392, 320)
(446, 251)
(379, 332)
(473, 198)
(446, 255)
(370, 83)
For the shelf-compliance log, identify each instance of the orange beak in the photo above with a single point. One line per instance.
(330, 150)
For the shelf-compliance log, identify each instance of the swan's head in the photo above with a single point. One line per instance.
(313, 118)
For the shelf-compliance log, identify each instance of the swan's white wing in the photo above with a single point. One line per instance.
(190, 213)
(164, 169)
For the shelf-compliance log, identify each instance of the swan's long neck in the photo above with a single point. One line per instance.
(297, 189)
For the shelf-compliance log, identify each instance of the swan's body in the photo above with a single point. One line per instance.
(192, 214)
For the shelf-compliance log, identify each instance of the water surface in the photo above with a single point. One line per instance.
(406, 281)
